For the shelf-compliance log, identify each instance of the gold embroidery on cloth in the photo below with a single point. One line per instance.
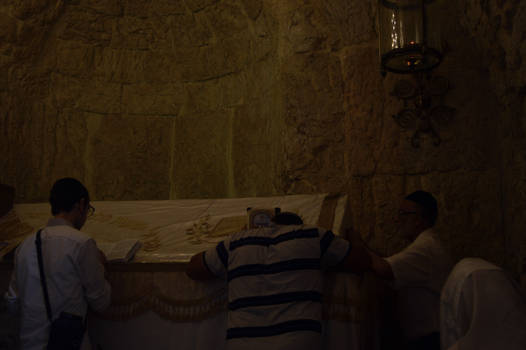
(201, 230)
(172, 295)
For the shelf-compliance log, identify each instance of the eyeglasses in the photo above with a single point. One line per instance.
(91, 210)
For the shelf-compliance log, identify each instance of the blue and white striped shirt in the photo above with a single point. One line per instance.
(275, 284)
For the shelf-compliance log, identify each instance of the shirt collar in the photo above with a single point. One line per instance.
(59, 222)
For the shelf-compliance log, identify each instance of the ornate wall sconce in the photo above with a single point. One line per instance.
(410, 44)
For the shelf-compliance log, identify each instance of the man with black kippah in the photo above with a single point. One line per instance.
(58, 274)
(418, 272)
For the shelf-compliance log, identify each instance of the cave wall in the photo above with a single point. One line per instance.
(140, 99)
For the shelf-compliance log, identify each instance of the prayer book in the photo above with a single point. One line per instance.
(121, 251)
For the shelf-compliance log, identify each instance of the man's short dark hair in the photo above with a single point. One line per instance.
(65, 193)
(428, 203)
(287, 218)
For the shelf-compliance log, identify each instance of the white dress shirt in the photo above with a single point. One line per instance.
(74, 275)
(420, 271)
(482, 308)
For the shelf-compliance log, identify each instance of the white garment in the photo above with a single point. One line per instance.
(275, 285)
(420, 271)
(74, 276)
(482, 308)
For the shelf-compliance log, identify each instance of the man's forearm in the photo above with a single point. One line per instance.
(377, 264)
(197, 269)
(380, 266)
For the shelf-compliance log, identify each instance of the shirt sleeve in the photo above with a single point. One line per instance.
(97, 290)
(412, 267)
(333, 249)
(216, 259)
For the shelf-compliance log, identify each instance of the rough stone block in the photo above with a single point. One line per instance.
(86, 26)
(252, 8)
(25, 9)
(346, 23)
(128, 158)
(227, 19)
(255, 149)
(46, 145)
(302, 33)
(153, 99)
(99, 96)
(209, 95)
(189, 31)
(134, 33)
(202, 159)
(128, 66)
(198, 5)
(8, 28)
(75, 61)
(168, 8)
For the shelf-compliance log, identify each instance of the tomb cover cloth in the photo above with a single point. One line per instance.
(171, 231)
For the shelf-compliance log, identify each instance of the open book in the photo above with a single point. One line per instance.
(121, 251)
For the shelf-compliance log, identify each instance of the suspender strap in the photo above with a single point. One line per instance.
(38, 243)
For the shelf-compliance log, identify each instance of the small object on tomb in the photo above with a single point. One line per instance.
(121, 251)
(260, 217)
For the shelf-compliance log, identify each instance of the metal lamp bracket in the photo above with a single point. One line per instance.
(423, 109)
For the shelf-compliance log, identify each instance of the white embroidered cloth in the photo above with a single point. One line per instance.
(174, 230)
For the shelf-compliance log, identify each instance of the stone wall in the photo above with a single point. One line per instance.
(226, 98)
(140, 99)
(477, 173)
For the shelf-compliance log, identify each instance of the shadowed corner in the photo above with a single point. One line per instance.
(7, 197)
(9, 322)
(8, 319)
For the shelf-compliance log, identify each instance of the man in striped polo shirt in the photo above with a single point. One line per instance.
(275, 281)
